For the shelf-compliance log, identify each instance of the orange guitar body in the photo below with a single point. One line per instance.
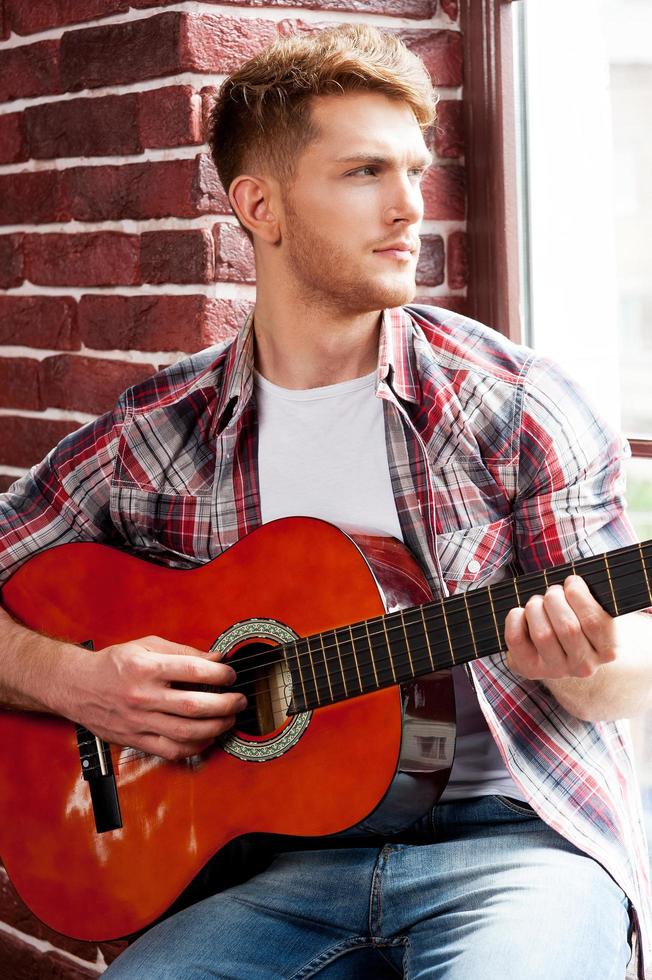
(299, 572)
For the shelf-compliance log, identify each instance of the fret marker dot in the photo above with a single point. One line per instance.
(85, 763)
(474, 565)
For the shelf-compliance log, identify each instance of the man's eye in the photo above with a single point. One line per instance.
(365, 171)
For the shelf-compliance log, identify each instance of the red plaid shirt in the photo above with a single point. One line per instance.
(497, 465)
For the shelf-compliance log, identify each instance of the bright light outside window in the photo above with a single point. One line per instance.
(584, 96)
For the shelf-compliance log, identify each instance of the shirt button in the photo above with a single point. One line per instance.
(473, 566)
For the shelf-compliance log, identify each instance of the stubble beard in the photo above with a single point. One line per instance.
(327, 276)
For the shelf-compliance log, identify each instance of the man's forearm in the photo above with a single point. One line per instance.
(620, 689)
(33, 668)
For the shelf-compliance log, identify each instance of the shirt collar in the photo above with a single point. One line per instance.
(396, 365)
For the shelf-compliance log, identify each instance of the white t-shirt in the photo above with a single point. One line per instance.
(322, 453)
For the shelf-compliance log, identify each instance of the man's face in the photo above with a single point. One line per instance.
(352, 214)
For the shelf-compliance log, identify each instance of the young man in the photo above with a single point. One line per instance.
(338, 402)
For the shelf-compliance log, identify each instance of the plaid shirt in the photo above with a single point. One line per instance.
(497, 465)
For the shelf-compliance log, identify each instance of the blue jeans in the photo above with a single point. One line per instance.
(485, 890)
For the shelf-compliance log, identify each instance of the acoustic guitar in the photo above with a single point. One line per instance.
(346, 662)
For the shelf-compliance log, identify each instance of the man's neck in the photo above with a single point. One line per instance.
(312, 348)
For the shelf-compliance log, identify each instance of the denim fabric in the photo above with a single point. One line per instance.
(479, 890)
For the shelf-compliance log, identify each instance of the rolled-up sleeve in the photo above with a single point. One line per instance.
(63, 498)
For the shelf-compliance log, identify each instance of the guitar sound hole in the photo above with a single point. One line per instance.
(264, 679)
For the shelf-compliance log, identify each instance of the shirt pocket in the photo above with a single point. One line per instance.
(478, 555)
(173, 528)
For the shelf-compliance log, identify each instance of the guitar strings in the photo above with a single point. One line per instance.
(130, 755)
(436, 615)
(477, 635)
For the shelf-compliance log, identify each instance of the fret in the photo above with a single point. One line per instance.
(389, 651)
(484, 626)
(364, 660)
(468, 616)
(346, 652)
(611, 585)
(644, 567)
(459, 629)
(355, 660)
(316, 670)
(499, 637)
(448, 632)
(373, 662)
(318, 659)
(339, 658)
(502, 600)
(407, 643)
(301, 681)
(333, 665)
(307, 680)
(419, 649)
(425, 633)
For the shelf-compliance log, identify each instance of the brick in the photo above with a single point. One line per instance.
(19, 388)
(5, 28)
(87, 384)
(234, 254)
(158, 323)
(13, 145)
(450, 8)
(28, 18)
(178, 188)
(444, 193)
(457, 304)
(449, 129)
(458, 260)
(391, 8)
(24, 442)
(430, 267)
(441, 51)
(102, 258)
(32, 198)
(164, 44)
(49, 322)
(115, 54)
(31, 69)
(171, 116)
(14, 912)
(11, 261)
(6, 482)
(84, 127)
(221, 43)
(177, 256)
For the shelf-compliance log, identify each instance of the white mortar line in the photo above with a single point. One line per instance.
(41, 944)
(128, 225)
(11, 471)
(220, 290)
(53, 414)
(150, 155)
(129, 356)
(131, 226)
(439, 21)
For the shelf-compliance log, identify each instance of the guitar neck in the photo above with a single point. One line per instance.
(398, 647)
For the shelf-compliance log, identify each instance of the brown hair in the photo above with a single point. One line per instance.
(263, 109)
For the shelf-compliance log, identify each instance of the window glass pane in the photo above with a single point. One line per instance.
(587, 174)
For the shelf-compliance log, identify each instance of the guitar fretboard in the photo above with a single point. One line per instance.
(401, 646)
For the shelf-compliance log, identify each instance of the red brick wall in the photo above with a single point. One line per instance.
(117, 250)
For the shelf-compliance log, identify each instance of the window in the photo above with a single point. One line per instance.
(583, 87)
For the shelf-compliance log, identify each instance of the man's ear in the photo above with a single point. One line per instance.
(251, 199)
